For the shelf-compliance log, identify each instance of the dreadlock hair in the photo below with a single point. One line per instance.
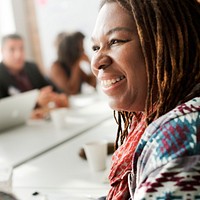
(169, 33)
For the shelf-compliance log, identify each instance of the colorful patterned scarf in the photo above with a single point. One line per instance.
(122, 160)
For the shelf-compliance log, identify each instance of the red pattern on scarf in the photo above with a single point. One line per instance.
(122, 160)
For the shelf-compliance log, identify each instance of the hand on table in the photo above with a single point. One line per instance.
(48, 100)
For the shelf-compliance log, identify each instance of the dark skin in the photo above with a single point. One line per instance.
(118, 60)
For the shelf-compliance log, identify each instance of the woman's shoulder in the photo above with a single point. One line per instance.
(185, 113)
(174, 134)
(56, 67)
(56, 64)
(179, 126)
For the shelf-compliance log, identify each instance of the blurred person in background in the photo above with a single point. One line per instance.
(66, 71)
(18, 75)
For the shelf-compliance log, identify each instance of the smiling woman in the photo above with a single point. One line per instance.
(119, 53)
(147, 58)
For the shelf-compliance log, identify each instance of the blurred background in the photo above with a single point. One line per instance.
(40, 21)
(43, 157)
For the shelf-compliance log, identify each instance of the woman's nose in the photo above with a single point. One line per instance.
(100, 61)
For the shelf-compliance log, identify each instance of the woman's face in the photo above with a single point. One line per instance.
(118, 61)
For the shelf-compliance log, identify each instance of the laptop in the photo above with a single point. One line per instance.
(15, 110)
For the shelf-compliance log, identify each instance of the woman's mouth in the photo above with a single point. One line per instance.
(110, 82)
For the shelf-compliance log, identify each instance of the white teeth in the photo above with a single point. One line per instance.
(108, 83)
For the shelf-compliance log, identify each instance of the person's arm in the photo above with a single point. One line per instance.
(172, 180)
(70, 85)
(6, 82)
(3, 90)
(48, 100)
(75, 79)
(59, 77)
(169, 164)
(49, 94)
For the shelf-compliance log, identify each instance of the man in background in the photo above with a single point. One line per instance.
(18, 75)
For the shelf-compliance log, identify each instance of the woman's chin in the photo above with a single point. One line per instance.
(119, 106)
(115, 105)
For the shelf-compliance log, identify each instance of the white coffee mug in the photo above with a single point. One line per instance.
(96, 153)
(58, 117)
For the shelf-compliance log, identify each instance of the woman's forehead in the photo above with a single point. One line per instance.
(112, 16)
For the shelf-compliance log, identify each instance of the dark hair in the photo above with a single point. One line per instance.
(13, 36)
(59, 38)
(79, 36)
(169, 33)
(69, 50)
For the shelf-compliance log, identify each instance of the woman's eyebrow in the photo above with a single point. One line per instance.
(116, 29)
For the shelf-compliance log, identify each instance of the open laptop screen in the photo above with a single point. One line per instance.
(15, 110)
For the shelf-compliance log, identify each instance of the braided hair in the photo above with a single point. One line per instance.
(169, 33)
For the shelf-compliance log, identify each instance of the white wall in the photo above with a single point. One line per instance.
(19, 12)
(7, 24)
(54, 16)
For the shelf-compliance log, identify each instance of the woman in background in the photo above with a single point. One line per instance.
(66, 71)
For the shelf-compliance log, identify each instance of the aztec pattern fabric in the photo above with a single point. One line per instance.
(166, 163)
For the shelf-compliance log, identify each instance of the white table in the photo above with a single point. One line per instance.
(23, 143)
(61, 173)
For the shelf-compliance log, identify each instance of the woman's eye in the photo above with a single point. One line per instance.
(117, 41)
(95, 48)
(114, 41)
